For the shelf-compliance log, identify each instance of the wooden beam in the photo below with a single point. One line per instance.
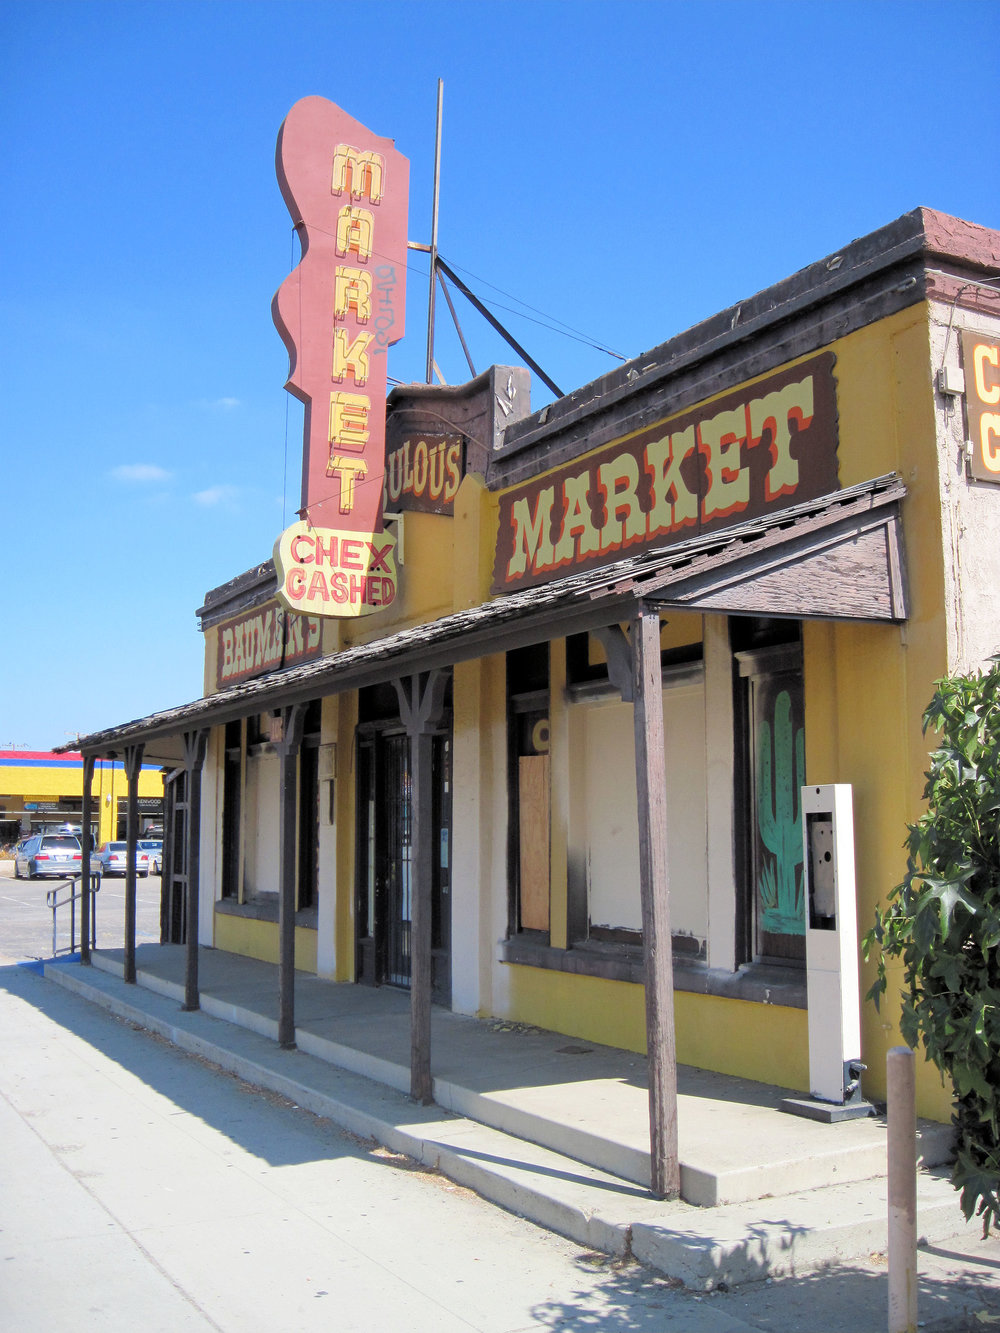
(195, 747)
(618, 652)
(421, 707)
(287, 742)
(133, 767)
(651, 791)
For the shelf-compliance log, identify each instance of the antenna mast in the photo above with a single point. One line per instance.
(434, 237)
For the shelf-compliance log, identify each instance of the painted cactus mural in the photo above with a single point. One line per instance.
(780, 774)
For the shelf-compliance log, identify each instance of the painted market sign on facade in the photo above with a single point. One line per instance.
(981, 357)
(338, 313)
(266, 639)
(746, 454)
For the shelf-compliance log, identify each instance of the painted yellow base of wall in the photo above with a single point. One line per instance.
(259, 939)
(766, 1042)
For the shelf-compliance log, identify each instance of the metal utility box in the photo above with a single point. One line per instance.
(832, 973)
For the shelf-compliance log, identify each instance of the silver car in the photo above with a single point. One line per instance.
(110, 858)
(47, 854)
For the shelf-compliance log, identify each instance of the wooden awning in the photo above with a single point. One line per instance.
(839, 557)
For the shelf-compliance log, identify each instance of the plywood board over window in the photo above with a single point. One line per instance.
(610, 825)
(533, 803)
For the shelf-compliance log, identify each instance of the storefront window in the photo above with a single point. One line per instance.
(772, 712)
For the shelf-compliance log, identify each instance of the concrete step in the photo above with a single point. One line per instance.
(728, 1155)
(734, 1243)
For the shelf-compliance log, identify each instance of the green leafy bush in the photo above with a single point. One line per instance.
(943, 922)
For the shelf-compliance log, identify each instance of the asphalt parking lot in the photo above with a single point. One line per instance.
(26, 919)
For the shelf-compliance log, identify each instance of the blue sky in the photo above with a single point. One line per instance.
(621, 169)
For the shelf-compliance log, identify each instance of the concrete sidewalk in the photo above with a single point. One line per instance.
(550, 1128)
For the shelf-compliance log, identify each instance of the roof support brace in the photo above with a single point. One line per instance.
(195, 746)
(421, 707)
(287, 736)
(133, 766)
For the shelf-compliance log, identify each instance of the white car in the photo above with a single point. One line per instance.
(153, 847)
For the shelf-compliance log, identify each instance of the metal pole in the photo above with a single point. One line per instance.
(434, 237)
(86, 841)
(133, 767)
(900, 1079)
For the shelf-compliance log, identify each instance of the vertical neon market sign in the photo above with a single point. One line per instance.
(338, 313)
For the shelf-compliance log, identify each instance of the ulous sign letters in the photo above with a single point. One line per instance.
(758, 449)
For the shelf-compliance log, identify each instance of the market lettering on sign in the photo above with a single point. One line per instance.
(267, 640)
(424, 472)
(982, 398)
(746, 454)
(338, 313)
(323, 571)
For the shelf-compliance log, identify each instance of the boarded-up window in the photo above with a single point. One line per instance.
(533, 799)
(610, 825)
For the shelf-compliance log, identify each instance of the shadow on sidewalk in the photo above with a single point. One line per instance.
(162, 1067)
(852, 1298)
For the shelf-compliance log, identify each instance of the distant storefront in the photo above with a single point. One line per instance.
(41, 791)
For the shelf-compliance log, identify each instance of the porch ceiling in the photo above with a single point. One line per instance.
(838, 557)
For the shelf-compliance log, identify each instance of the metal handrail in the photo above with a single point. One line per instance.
(53, 900)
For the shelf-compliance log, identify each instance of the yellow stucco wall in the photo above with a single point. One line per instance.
(712, 1032)
(868, 685)
(259, 939)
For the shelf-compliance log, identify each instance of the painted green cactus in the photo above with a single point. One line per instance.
(781, 755)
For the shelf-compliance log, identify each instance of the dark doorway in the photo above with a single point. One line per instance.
(385, 867)
(173, 883)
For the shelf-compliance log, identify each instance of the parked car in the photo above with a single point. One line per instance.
(110, 857)
(153, 847)
(47, 854)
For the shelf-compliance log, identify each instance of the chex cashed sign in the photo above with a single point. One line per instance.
(755, 450)
(338, 313)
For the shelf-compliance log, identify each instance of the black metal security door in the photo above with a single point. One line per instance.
(173, 883)
(385, 862)
(395, 808)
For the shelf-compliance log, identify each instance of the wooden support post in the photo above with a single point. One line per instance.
(651, 789)
(902, 1147)
(133, 767)
(421, 763)
(421, 706)
(287, 742)
(195, 746)
(86, 815)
